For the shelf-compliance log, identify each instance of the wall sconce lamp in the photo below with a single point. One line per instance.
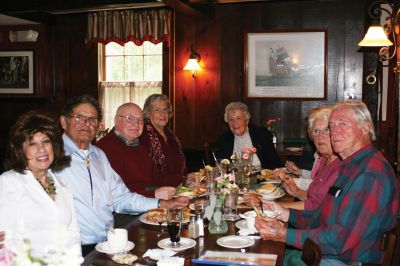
(193, 62)
(377, 35)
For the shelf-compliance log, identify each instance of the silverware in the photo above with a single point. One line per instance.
(277, 186)
(259, 213)
(216, 161)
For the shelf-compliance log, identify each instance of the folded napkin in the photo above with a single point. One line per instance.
(171, 261)
(158, 253)
(246, 232)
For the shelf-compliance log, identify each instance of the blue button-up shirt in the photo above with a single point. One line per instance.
(98, 191)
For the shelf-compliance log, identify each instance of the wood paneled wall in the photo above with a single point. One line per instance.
(200, 103)
(70, 67)
(64, 67)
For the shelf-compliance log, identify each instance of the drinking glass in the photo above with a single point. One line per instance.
(199, 205)
(160, 220)
(230, 203)
(211, 174)
(174, 224)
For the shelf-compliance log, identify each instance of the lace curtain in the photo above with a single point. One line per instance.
(122, 26)
(118, 93)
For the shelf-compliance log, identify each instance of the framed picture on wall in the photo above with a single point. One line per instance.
(285, 65)
(16, 72)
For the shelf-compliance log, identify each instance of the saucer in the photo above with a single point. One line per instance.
(185, 243)
(105, 248)
(235, 241)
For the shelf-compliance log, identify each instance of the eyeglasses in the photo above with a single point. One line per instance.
(160, 111)
(94, 121)
(132, 119)
(317, 132)
(341, 125)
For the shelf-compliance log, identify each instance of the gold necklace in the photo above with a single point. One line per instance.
(51, 188)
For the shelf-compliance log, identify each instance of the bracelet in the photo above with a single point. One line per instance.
(158, 203)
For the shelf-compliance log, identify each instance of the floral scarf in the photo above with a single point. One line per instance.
(156, 152)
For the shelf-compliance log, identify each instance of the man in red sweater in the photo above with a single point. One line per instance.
(129, 158)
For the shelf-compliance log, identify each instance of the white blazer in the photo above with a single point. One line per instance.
(27, 210)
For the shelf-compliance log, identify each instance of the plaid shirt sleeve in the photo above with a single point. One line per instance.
(352, 223)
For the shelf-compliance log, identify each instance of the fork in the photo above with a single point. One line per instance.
(259, 213)
(277, 186)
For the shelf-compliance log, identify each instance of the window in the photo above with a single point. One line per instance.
(128, 73)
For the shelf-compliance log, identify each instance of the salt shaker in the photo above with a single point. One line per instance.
(193, 228)
(200, 224)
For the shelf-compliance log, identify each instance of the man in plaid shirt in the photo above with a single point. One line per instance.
(360, 206)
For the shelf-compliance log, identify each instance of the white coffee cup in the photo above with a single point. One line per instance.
(250, 217)
(117, 239)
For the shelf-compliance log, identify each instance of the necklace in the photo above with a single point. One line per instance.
(51, 188)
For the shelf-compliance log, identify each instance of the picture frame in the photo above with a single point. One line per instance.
(285, 65)
(16, 72)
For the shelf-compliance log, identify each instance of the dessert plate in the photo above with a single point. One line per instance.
(235, 241)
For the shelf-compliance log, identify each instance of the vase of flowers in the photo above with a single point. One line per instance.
(244, 166)
(224, 185)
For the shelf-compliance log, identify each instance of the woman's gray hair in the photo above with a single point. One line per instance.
(361, 112)
(156, 97)
(233, 106)
(318, 113)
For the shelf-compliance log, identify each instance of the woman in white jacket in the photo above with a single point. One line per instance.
(34, 204)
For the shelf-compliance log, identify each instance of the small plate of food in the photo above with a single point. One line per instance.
(153, 216)
(270, 191)
(267, 174)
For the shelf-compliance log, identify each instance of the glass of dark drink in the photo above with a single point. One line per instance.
(174, 223)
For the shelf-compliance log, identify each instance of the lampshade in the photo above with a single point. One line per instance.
(192, 65)
(375, 36)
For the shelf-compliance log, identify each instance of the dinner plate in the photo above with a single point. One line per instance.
(235, 241)
(294, 149)
(185, 243)
(272, 196)
(272, 181)
(143, 219)
(104, 247)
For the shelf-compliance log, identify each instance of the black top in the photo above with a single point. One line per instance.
(262, 141)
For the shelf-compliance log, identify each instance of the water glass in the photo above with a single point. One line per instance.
(230, 206)
(200, 204)
(174, 224)
(211, 174)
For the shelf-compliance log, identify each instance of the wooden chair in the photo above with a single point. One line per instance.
(387, 246)
(209, 148)
(311, 253)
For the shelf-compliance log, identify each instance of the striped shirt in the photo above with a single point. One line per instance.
(351, 219)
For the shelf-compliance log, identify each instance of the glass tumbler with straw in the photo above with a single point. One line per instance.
(174, 224)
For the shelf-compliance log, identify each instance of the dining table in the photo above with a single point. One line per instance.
(146, 236)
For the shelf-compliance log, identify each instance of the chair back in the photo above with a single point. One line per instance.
(208, 149)
(387, 246)
(311, 253)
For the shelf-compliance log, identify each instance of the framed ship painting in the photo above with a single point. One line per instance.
(16, 72)
(285, 65)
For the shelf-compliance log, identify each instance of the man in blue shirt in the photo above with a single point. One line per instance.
(97, 189)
